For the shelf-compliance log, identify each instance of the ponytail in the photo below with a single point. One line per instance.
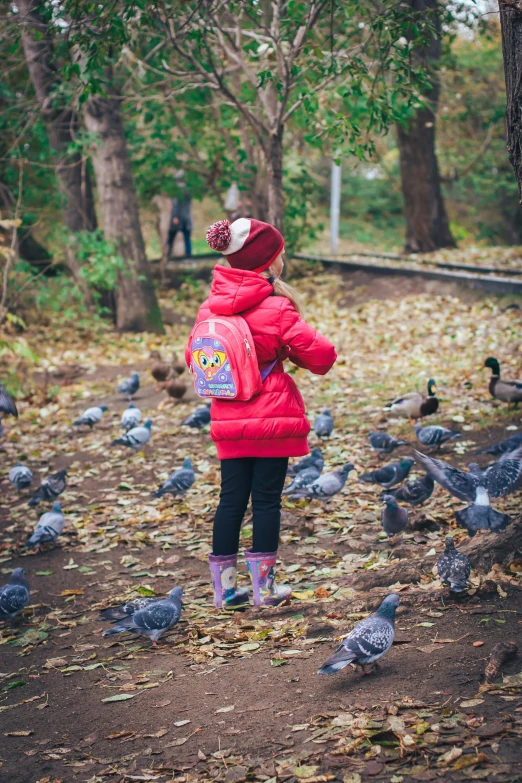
(283, 289)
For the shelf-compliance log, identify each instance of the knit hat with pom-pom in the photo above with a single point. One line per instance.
(247, 244)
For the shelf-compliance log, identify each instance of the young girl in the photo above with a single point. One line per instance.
(254, 439)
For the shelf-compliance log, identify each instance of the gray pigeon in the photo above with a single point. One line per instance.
(154, 619)
(505, 446)
(91, 416)
(178, 482)
(384, 443)
(130, 417)
(480, 516)
(49, 527)
(500, 479)
(130, 386)
(329, 484)
(50, 488)
(302, 481)
(14, 596)
(7, 404)
(136, 437)
(389, 475)
(313, 460)
(198, 418)
(433, 435)
(120, 612)
(394, 518)
(20, 476)
(454, 567)
(415, 492)
(323, 425)
(368, 641)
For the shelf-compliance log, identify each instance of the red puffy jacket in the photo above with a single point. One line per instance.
(274, 423)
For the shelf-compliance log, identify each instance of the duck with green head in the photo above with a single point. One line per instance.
(508, 391)
(415, 405)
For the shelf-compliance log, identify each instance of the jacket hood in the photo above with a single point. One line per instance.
(236, 290)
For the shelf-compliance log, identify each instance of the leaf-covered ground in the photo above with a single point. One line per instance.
(236, 696)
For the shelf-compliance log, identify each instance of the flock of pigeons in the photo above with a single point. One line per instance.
(370, 639)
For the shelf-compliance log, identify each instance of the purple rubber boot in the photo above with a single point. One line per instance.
(223, 569)
(262, 568)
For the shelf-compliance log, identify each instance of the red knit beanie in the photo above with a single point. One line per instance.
(248, 244)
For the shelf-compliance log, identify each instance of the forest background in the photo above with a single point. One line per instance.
(180, 96)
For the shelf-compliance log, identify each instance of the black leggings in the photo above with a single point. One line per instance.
(264, 478)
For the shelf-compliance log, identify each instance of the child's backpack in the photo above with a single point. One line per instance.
(224, 361)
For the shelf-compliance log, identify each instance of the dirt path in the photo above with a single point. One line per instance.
(236, 696)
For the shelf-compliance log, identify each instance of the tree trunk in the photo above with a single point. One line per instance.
(62, 123)
(511, 26)
(427, 226)
(137, 308)
(274, 174)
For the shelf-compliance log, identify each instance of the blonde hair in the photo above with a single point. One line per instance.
(283, 289)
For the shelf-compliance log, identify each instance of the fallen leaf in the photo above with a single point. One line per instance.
(225, 709)
(250, 646)
(119, 697)
(478, 644)
(449, 757)
(18, 733)
(120, 734)
(471, 703)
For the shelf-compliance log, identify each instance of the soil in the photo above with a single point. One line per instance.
(251, 713)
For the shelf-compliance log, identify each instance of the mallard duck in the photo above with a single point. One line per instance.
(175, 388)
(508, 391)
(415, 405)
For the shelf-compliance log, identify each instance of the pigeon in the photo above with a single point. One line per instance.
(384, 443)
(152, 620)
(50, 488)
(323, 425)
(49, 527)
(313, 460)
(415, 492)
(130, 386)
(14, 596)
(454, 567)
(394, 518)
(198, 418)
(20, 476)
(130, 417)
(302, 481)
(7, 404)
(329, 484)
(178, 482)
(115, 613)
(136, 437)
(504, 447)
(389, 475)
(433, 435)
(368, 641)
(500, 479)
(480, 516)
(91, 416)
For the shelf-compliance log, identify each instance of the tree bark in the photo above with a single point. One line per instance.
(427, 226)
(137, 308)
(511, 27)
(274, 174)
(62, 124)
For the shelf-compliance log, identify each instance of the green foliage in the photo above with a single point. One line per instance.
(100, 263)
